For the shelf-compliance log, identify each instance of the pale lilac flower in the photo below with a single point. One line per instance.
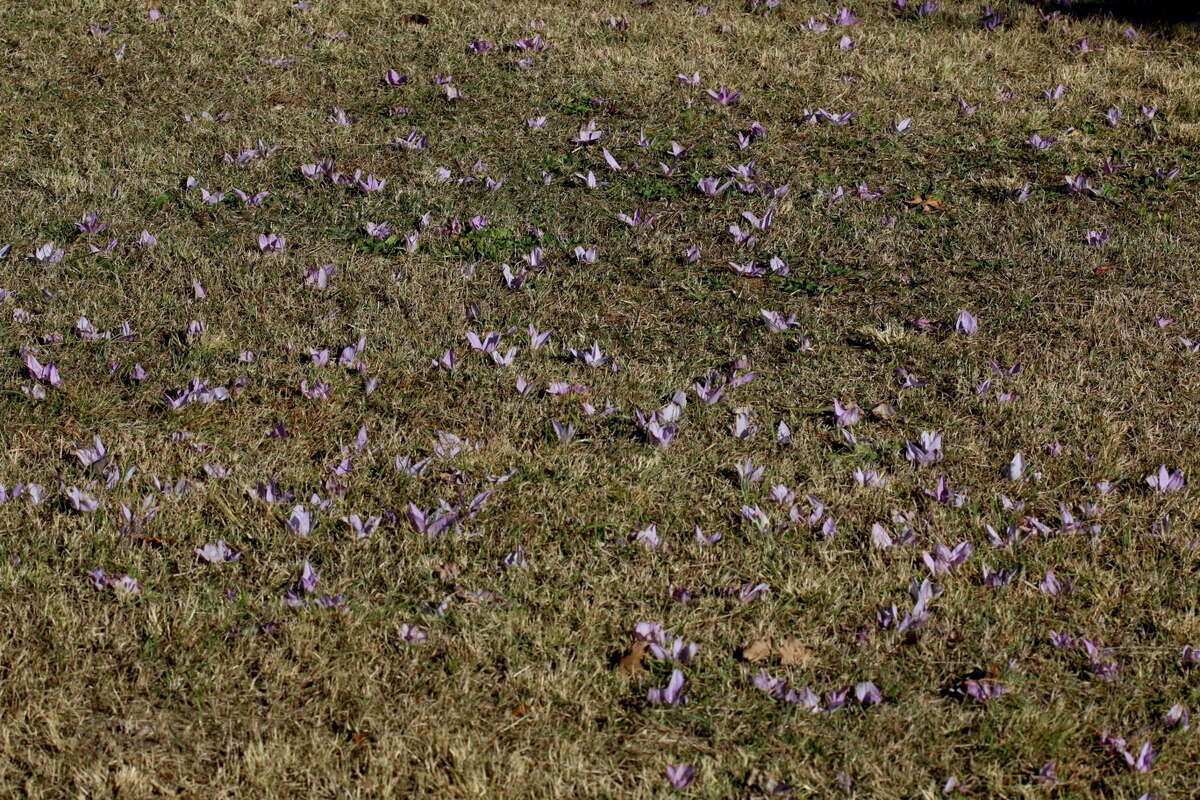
(984, 690)
(672, 694)
(592, 357)
(81, 501)
(271, 243)
(966, 323)
(723, 95)
(776, 322)
(217, 553)
(925, 451)
(638, 219)
(1052, 585)
(847, 415)
(588, 133)
(680, 776)
(411, 634)
(1055, 93)
(47, 253)
(1166, 480)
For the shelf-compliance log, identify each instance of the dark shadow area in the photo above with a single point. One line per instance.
(1144, 12)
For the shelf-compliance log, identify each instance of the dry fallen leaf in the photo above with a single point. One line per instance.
(793, 651)
(884, 411)
(926, 203)
(757, 651)
(521, 710)
(631, 663)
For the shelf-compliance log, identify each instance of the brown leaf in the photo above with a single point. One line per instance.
(521, 710)
(631, 663)
(793, 651)
(884, 411)
(415, 19)
(926, 203)
(757, 651)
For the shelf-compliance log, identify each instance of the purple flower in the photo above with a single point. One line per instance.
(370, 184)
(271, 243)
(1038, 143)
(843, 16)
(1080, 184)
(776, 322)
(984, 690)
(944, 559)
(1166, 481)
(412, 634)
(592, 356)
(671, 694)
(926, 450)
(868, 694)
(48, 253)
(1055, 93)
(299, 521)
(1097, 238)
(126, 585)
(1020, 193)
(588, 133)
(1052, 585)
(638, 219)
(712, 186)
(394, 78)
(966, 323)
(847, 415)
(1190, 656)
(217, 553)
(91, 223)
(680, 776)
(723, 95)
(81, 501)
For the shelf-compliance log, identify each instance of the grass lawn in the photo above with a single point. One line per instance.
(481, 399)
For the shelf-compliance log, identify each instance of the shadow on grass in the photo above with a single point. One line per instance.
(1145, 12)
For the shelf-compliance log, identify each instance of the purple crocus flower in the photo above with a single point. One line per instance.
(588, 133)
(776, 322)
(671, 694)
(847, 415)
(1166, 480)
(81, 501)
(984, 690)
(926, 450)
(637, 219)
(271, 243)
(1052, 585)
(990, 19)
(45, 373)
(1038, 143)
(217, 553)
(843, 16)
(723, 95)
(47, 253)
(966, 323)
(680, 776)
(592, 356)
(371, 184)
(299, 521)
(91, 223)
(1080, 184)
